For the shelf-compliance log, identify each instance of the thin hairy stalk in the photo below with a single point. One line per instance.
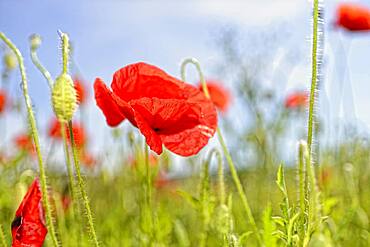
(2, 237)
(314, 78)
(204, 196)
(301, 176)
(148, 176)
(312, 203)
(35, 136)
(303, 190)
(37, 63)
(69, 166)
(148, 192)
(81, 185)
(220, 174)
(225, 150)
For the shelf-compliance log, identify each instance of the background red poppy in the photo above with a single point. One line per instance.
(353, 17)
(220, 96)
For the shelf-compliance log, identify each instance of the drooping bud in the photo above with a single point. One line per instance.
(35, 41)
(64, 98)
(10, 61)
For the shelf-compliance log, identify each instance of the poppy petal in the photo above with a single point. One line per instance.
(28, 227)
(192, 140)
(107, 104)
(151, 138)
(184, 127)
(144, 80)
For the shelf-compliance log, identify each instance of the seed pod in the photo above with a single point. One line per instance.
(64, 98)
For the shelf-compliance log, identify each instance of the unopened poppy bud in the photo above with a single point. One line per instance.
(64, 98)
(35, 41)
(10, 61)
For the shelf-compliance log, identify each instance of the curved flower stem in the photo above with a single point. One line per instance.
(39, 66)
(81, 185)
(314, 78)
(2, 237)
(225, 150)
(32, 122)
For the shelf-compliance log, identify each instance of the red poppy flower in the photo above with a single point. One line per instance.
(3, 100)
(87, 159)
(219, 95)
(80, 91)
(28, 226)
(78, 132)
(296, 100)
(25, 142)
(166, 110)
(353, 17)
(66, 202)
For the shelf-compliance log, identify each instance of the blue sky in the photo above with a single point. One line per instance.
(110, 34)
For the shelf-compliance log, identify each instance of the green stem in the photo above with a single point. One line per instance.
(148, 176)
(69, 166)
(32, 122)
(81, 185)
(314, 74)
(220, 174)
(225, 150)
(301, 174)
(2, 237)
(39, 66)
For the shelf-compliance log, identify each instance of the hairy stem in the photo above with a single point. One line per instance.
(81, 185)
(314, 77)
(2, 237)
(220, 174)
(72, 187)
(225, 150)
(35, 136)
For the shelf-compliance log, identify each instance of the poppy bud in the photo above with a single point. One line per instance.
(10, 61)
(35, 41)
(64, 98)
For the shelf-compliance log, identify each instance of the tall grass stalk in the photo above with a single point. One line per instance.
(225, 150)
(35, 136)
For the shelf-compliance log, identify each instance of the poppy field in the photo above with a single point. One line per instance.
(171, 168)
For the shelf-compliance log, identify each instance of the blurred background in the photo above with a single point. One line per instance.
(258, 50)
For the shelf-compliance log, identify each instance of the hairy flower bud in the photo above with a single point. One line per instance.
(10, 61)
(64, 98)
